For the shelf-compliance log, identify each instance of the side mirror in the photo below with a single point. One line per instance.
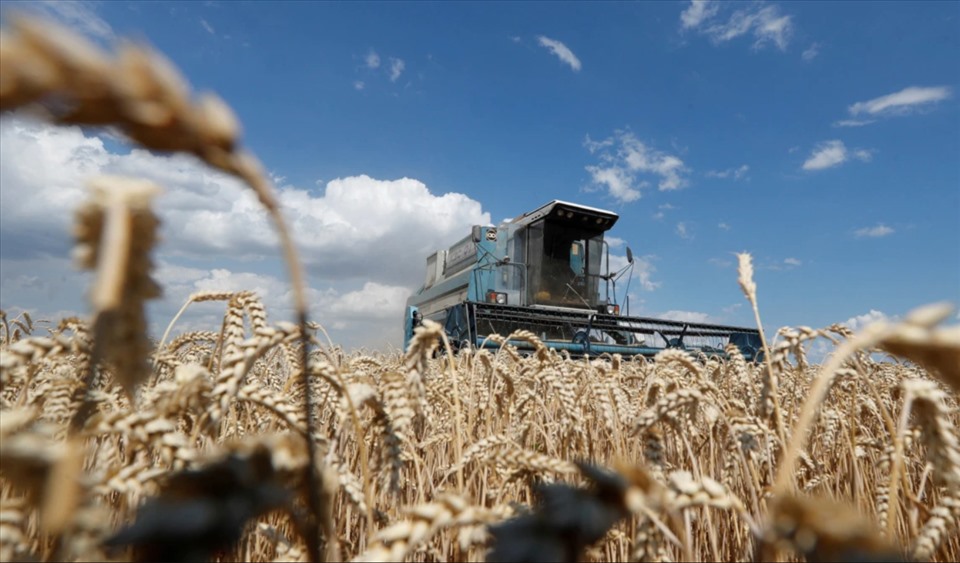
(629, 255)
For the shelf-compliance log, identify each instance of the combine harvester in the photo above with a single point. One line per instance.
(548, 272)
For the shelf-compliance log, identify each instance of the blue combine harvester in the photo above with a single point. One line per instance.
(548, 272)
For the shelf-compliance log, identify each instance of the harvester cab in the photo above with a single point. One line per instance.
(549, 272)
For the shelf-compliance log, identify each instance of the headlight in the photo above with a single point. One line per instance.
(613, 309)
(497, 297)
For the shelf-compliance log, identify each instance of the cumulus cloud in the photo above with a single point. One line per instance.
(369, 315)
(880, 230)
(359, 85)
(619, 182)
(904, 102)
(829, 154)
(357, 227)
(858, 322)
(736, 173)
(396, 68)
(792, 262)
(561, 51)
(624, 160)
(723, 226)
(765, 23)
(355, 232)
(683, 232)
(820, 348)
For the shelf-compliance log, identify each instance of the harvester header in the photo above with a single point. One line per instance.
(548, 271)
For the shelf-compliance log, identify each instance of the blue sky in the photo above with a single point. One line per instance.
(824, 138)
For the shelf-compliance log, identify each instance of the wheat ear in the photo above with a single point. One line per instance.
(141, 92)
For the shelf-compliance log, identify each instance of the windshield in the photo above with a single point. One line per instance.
(563, 264)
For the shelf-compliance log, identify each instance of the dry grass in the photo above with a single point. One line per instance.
(213, 446)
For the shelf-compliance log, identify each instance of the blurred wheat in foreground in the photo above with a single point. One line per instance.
(252, 441)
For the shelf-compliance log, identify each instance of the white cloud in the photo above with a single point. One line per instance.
(372, 59)
(619, 182)
(731, 309)
(904, 102)
(811, 52)
(880, 230)
(396, 68)
(723, 226)
(853, 122)
(685, 316)
(772, 27)
(829, 154)
(736, 173)
(826, 155)
(369, 315)
(658, 215)
(80, 16)
(858, 322)
(623, 158)
(786, 264)
(643, 271)
(374, 301)
(561, 51)
(359, 85)
(363, 240)
(206, 25)
(697, 12)
(204, 211)
(683, 232)
(766, 23)
(594, 146)
(820, 349)
(720, 262)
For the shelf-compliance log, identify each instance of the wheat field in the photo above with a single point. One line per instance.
(264, 441)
